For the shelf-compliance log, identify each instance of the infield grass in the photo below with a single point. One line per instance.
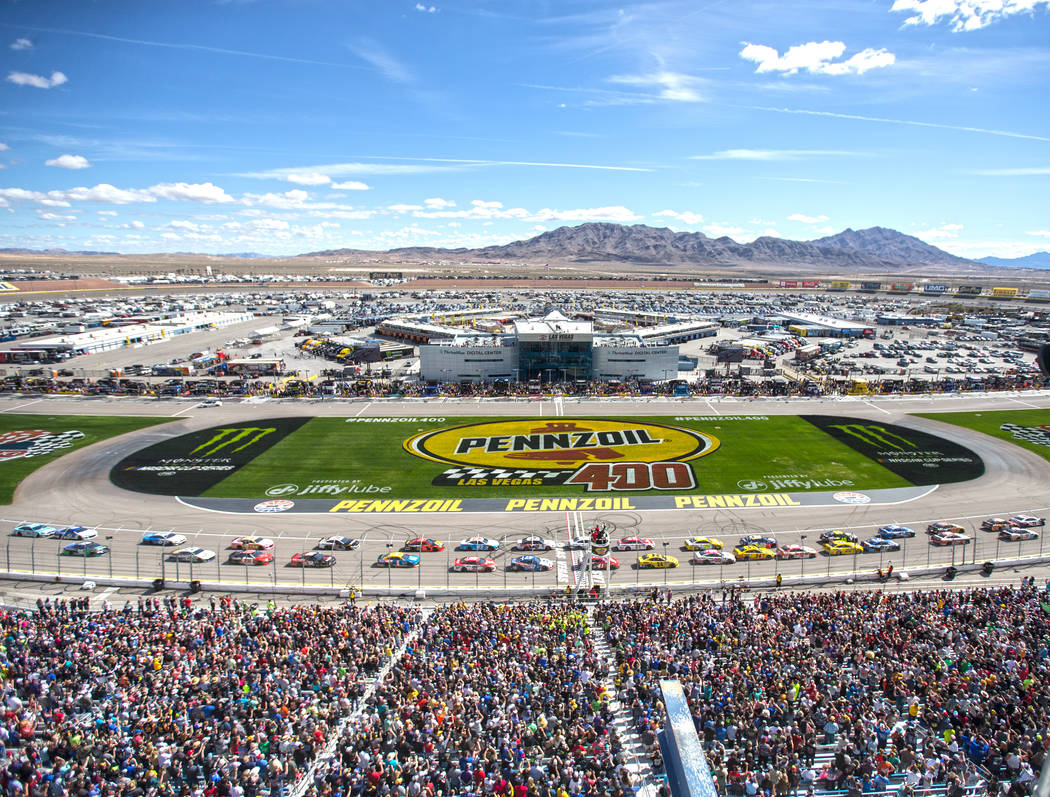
(332, 449)
(989, 423)
(94, 428)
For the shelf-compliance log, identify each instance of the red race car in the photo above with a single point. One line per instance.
(424, 544)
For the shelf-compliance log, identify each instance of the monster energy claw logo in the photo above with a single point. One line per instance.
(223, 438)
(874, 435)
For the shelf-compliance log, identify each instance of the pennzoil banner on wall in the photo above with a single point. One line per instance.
(434, 464)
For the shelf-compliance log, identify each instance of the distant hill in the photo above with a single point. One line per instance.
(1035, 260)
(852, 250)
(16, 251)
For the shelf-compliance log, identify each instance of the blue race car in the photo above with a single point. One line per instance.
(77, 533)
(530, 563)
(162, 538)
(478, 544)
(893, 532)
(880, 544)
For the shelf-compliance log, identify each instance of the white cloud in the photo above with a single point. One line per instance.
(769, 154)
(104, 192)
(37, 81)
(941, 233)
(352, 185)
(69, 162)
(21, 44)
(207, 193)
(309, 178)
(818, 58)
(828, 230)
(138, 225)
(437, 203)
(47, 215)
(673, 85)
(1041, 233)
(56, 203)
(964, 15)
(3, 147)
(720, 228)
(403, 208)
(686, 216)
(107, 213)
(425, 9)
(383, 61)
(807, 219)
(1024, 171)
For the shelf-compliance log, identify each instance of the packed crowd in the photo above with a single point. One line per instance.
(488, 699)
(924, 689)
(164, 698)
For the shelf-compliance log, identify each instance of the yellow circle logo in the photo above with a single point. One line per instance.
(559, 444)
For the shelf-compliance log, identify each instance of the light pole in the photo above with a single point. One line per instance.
(666, 563)
(803, 543)
(389, 573)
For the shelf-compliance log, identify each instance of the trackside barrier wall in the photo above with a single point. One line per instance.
(684, 762)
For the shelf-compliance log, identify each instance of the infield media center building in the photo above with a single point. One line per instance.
(551, 349)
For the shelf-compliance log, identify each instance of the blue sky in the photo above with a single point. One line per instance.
(287, 126)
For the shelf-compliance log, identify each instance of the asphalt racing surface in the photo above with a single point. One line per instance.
(75, 489)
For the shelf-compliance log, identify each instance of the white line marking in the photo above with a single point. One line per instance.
(1025, 403)
(360, 412)
(875, 406)
(19, 406)
(185, 409)
(712, 407)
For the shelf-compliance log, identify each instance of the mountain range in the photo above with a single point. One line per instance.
(1034, 260)
(874, 249)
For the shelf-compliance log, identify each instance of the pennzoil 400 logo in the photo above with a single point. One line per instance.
(597, 454)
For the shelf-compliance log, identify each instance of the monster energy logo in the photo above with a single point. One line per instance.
(245, 435)
(874, 435)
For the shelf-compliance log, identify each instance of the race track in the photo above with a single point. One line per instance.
(75, 489)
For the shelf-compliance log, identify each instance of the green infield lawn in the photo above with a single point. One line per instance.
(335, 451)
(94, 429)
(990, 423)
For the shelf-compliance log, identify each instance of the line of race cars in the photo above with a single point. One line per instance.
(252, 550)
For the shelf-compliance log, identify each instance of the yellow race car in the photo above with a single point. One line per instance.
(753, 552)
(657, 560)
(703, 544)
(841, 547)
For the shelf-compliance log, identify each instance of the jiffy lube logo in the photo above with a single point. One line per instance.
(598, 454)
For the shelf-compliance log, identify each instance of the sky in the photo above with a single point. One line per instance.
(290, 126)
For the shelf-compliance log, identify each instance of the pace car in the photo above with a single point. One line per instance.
(76, 533)
(842, 548)
(712, 556)
(533, 544)
(742, 552)
(760, 540)
(312, 559)
(473, 564)
(192, 555)
(338, 543)
(1028, 520)
(84, 549)
(424, 544)
(1017, 534)
(633, 544)
(397, 559)
(33, 530)
(703, 544)
(478, 544)
(949, 538)
(163, 538)
(250, 557)
(530, 563)
(252, 542)
(795, 552)
(656, 560)
(894, 531)
(875, 544)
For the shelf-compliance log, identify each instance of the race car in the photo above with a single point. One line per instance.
(533, 544)
(84, 549)
(880, 544)
(760, 540)
(312, 559)
(657, 561)
(478, 544)
(837, 534)
(995, 524)
(424, 544)
(530, 563)
(949, 538)
(942, 526)
(163, 538)
(1017, 534)
(338, 543)
(712, 556)
(473, 564)
(742, 552)
(795, 552)
(33, 530)
(397, 559)
(250, 557)
(192, 555)
(252, 542)
(841, 548)
(703, 544)
(894, 531)
(605, 562)
(75, 533)
(633, 544)
(1027, 521)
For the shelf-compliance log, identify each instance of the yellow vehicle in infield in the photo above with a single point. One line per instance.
(841, 548)
(703, 544)
(753, 552)
(656, 560)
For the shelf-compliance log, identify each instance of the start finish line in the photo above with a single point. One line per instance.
(691, 502)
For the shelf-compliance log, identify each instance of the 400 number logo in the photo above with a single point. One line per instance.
(604, 476)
